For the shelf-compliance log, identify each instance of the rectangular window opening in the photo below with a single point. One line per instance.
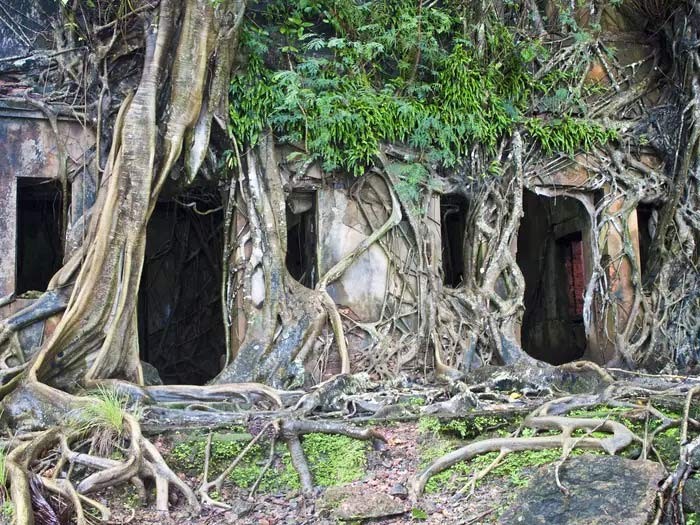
(647, 218)
(301, 238)
(453, 219)
(180, 319)
(39, 232)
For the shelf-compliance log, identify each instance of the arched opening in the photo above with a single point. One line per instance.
(554, 257)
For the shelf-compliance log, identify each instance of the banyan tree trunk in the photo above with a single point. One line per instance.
(277, 318)
(189, 48)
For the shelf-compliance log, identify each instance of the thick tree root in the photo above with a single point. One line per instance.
(183, 394)
(291, 431)
(50, 459)
(620, 438)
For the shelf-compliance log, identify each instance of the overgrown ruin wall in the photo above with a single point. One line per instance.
(582, 262)
(29, 150)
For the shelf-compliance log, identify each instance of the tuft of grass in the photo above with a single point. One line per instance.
(107, 411)
(6, 508)
(104, 418)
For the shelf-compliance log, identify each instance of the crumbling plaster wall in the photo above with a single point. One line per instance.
(29, 149)
(376, 284)
(342, 228)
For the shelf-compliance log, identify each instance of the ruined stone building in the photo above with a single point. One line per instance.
(580, 237)
(325, 221)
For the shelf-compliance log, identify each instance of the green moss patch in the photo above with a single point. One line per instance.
(516, 468)
(468, 427)
(333, 460)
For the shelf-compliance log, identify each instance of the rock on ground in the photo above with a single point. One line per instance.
(603, 490)
(353, 502)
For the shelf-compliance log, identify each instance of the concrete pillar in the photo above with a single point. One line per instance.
(8, 228)
(622, 273)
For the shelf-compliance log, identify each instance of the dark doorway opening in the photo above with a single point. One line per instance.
(301, 238)
(570, 250)
(39, 232)
(552, 255)
(647, 218)
(453, 220)
(181, 328)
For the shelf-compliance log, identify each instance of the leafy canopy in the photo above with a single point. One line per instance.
(340, 77)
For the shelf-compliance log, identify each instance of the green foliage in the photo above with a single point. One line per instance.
(419, 514)
(253, 94)
(567, 134)
(333, 460)
(412, 178)
(340, 77)
(429, 425)
(105, 412)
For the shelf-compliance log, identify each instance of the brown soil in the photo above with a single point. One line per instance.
(387, 471)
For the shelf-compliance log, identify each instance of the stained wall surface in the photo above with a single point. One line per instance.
(29, 150)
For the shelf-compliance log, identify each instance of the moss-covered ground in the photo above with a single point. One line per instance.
(333, 460)
(440, 437)
(337, 461)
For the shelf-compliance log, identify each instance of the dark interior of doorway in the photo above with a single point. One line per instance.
(181, 329)
(647, 217)
(453, 217)
(551, 256)
(39, 232)
(301, 238)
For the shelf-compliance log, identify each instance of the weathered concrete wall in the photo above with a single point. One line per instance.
(29, 149)
(26, 25)
(341, 228)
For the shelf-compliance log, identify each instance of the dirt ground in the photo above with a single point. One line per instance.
(387, 472)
